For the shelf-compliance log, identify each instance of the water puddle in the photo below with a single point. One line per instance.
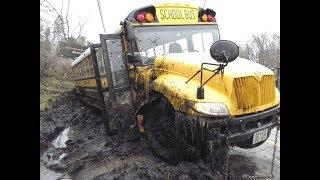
(55, 154)
(61, 140)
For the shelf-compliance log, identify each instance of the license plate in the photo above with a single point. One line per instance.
(260, 136)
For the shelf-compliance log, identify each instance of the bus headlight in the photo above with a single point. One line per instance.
(211, 109)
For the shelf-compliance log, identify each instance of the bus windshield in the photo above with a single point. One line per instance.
(160, 40)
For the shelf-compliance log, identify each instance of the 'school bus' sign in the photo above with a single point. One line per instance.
(177, 14)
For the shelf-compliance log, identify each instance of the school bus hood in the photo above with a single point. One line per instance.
(174, 70)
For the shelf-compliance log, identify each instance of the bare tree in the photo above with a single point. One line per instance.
(81, 26)
(263, 48)
(61, 29)
(51, 66)
(59, 18)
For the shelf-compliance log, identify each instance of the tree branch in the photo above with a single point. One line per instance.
(59, 16)
(81, 28)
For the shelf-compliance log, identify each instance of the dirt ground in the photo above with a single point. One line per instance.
(73, 143)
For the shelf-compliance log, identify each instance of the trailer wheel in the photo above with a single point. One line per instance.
(163, 136)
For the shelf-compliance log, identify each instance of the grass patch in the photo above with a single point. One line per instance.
(51, 89)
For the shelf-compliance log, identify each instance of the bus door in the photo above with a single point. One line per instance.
(120, 102)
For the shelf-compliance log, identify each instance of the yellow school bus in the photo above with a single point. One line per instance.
(167, 77)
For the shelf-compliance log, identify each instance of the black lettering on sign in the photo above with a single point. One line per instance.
(169, 15)
(166, 14)
(162, 14)
(193, 15)
(183, 15)
(172, 14)
(177, 14)
(186, 15)
(180, 15)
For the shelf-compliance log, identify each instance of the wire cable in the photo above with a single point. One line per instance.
(101, 17)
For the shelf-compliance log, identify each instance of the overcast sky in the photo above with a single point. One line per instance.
(237, 19)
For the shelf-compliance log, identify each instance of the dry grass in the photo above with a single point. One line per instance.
(51, 89)
(54, 78)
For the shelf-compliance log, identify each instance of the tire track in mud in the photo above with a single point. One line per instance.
(89, 154)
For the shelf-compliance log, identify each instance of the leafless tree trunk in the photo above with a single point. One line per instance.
(65, 23)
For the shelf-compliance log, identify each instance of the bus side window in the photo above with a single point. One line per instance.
(77, 71)
(215, 36)
(159, 50)
(82, 70)
(207, 41)
(91, 68)
(144, 54)
(150, 52)
(86, 69)
(85, 65)
(166, 47)
(183, 44)
(197, 42)
(203, 41)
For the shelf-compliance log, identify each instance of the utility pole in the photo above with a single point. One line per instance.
(101, 17)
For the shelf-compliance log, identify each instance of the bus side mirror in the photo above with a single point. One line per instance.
(224, 51)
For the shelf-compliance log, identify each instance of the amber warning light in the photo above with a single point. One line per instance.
(208, 16)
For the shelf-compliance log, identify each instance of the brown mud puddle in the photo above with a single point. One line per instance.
(73, 142)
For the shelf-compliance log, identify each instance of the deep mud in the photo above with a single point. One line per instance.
(88, 154)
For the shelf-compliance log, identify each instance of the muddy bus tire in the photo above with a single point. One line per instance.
(163, 136)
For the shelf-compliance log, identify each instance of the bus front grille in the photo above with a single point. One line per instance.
(251, 93)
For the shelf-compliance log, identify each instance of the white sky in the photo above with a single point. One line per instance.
(237, 19)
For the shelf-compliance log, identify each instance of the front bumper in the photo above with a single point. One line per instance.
(237, 129)
(253, 123)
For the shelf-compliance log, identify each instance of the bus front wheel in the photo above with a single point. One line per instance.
(163, 136)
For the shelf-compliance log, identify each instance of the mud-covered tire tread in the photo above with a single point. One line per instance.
(179, 149)
(166, 153)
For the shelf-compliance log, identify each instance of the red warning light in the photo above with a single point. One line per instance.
(140, 17)
(208, 15)
(210, 18)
